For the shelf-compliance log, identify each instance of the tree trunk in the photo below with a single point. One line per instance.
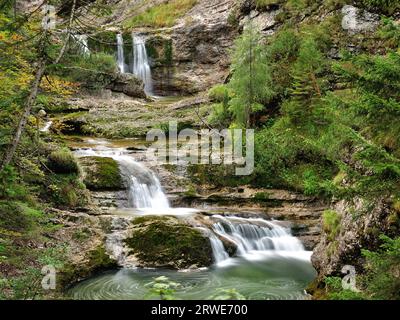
(9, 154)
(27, 111)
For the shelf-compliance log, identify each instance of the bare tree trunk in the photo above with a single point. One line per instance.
(27, 111)
(33, 93)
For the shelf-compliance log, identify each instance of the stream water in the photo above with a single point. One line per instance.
(269, 264)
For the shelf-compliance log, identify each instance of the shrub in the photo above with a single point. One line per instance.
(219, 93)
(63, 161)
(331, 223)
(382, 278)
(10, 187)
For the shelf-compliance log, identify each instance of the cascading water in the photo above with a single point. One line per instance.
(82, 41)
(144, 188)
(47, 126)
(120, 53)
(270, 263)
(141, 66)
(252, 236)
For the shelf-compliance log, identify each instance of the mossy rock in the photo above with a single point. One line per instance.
(101, 174)
(169, 243)
(97, 260)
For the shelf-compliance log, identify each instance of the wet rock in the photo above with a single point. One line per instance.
(167, 242)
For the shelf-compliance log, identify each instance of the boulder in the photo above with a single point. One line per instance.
(167, 242)
(101, 174)
(128, 84)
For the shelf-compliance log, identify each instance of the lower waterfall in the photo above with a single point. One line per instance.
(252, 237)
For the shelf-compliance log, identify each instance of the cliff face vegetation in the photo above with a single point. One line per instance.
(319, 81)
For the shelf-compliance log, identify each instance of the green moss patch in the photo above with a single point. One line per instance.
(97, 260)
(331, 223)
(101, 174)
(163, 15)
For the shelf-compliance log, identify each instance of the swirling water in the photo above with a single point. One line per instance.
(270, 278)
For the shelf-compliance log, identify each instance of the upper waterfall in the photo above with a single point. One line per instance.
(120, 53)
(141, 66)
(82, 41)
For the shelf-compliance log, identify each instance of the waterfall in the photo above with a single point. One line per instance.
(253, 235)
(144, 188)
(82, 41)
(141, 67)
(218, 249)
(120, 53)
(47, 126)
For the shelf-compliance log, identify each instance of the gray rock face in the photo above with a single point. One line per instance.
(200, 49)
(263, 22)
(356, 20)
(360, 228)
(128, 84)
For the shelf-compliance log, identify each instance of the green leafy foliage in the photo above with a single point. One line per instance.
(94, 71)
(336, 292)
(250, 77)
(383, 6)
(227, 294)
(383, 268)
(162, 15)
(380, 280)
(331, 223)
(162, 288)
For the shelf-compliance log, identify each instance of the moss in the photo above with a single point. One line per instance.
(261, 196)
(191, 192)
(97, 260)
(331, 223)
(332, 247)
(16, 216)
(162, 15)
(218, 176)
(63, 161)
(317, 289)
(65, 190)
(167, 242)
(101, 173)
